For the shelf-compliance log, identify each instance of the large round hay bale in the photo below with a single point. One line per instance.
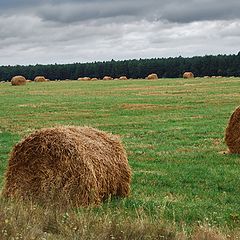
(71, 166)
(107, 78)
(232, 133)
(94, 79)
(152, 76)
(123, 78)
(40, 79)
(188, 75)
(18, 80)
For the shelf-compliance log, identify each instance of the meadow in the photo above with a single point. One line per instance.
(173, 131)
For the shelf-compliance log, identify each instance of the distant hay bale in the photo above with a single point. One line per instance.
(206, 77)
(213, 76)
(71, 166)
(84, 79)
(40, 79)
(232, 133)
(94, 79)
(123, 78)
(107, 78)
(18, 80)
(188, 75)
(219, 77)
(28, 80)
(152, 76)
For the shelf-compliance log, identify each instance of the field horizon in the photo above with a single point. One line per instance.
(173, 131)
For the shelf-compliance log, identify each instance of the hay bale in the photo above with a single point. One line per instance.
(188, 75)
(123, 78)
(72, 166)
(206, 77)
(40, 79)
(94, 79)
(84, 79)
(28, 80)
(107, 78)
(232, 133)
(152, 76)
(18, 80)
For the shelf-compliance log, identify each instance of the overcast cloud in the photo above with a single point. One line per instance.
(61, 31)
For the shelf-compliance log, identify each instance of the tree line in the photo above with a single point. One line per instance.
(173, 67)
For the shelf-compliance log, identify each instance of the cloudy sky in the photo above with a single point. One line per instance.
(66, 31)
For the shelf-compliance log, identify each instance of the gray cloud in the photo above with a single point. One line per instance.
(51, 31)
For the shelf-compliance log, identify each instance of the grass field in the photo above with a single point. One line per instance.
(173, 130)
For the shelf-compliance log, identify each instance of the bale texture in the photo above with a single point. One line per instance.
(232, 133)
(94, 79)
(71, 166)
(18, 80)
(107, 78)
(188, 75)
(40, 79)
(152, 76)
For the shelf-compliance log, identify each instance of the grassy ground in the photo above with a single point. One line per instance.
(173, 130)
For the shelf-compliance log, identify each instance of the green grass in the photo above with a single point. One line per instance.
(173, 130)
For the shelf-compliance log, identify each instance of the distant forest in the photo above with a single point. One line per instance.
(220, 65)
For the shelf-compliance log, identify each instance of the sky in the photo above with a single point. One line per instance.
(68, 31)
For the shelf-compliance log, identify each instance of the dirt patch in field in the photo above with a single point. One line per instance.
(217, 141)
(136, 88)
(174, 93)
(228, 95)
(143, 106)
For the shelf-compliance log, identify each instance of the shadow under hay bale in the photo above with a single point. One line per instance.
(232, 133)
(69, 166)
(18, 80)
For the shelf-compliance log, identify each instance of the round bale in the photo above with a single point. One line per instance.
(40, 79)
(18, 80)
(123, 78)
(152, 76)
(188, 75)
(107, 78)
(232, 133)
(71, 166)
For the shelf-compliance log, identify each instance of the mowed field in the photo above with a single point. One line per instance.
(172, 129)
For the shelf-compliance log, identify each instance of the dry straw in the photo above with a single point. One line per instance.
(71, 166)
(18, 80)
(232, 133)
(152, 76)
(188, 75)
(40, 79)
